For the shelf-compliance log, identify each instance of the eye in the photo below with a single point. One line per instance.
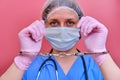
(70, 23)
(54, 24)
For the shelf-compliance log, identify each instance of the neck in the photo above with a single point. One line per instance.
(67, 61)
(70, 51)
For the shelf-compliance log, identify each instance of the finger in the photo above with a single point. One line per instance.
(91, 28)
(40, 30)
(37, 26)
(86, 28)
(80, 22)
(91, 24)
(85, 25)
(42, 21)
(37, 32)
(32, 33)
(26, 32)
(42, 27)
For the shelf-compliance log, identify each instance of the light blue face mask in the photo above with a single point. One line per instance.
(62, 38)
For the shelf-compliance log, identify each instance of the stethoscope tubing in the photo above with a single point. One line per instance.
(55, 66)
(56, 70)
(42, 65)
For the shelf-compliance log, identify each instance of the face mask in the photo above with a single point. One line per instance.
(62, 38)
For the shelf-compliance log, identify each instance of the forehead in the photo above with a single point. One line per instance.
(62, 13)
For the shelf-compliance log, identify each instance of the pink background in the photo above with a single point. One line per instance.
(17, 14)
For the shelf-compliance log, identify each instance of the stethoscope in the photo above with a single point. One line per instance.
(55, 66)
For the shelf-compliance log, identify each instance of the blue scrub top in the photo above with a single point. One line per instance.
(76, 71)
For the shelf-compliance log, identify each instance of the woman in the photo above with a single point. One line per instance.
(62, 24)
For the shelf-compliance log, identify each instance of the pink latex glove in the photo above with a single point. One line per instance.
(31, 37)
(30, 41)
(95, 35)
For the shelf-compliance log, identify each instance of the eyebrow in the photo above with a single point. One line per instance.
(54, 19)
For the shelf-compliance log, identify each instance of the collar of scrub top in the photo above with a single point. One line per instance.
(55, 66)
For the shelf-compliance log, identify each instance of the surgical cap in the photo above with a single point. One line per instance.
(50, 5)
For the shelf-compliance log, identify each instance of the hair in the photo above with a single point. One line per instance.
(52, 4)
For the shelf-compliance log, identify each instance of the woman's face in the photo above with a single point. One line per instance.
(62, 17)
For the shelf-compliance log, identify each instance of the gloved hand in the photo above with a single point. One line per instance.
(30, 41)
(95, 35)
(31, 37)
